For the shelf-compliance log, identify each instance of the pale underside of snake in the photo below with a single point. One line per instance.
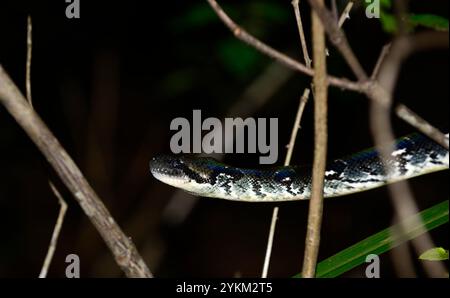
(414, 155)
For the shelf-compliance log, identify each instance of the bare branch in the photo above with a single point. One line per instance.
(339, 40)
(56, 231)
(120, 245)
(320, 148)
(273, 225)
(287, 161)
(62, 203)
(421, 124)
(420, 41)
(384, 52)
(298, 118)
(28, 63)
(280, 57)
(301, 33)
(345, 14)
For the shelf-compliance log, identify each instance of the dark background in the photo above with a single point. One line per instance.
(109, 84)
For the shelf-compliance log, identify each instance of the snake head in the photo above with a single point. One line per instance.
(192, 174)
(169, 169)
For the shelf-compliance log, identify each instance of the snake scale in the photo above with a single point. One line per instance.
(414, 155)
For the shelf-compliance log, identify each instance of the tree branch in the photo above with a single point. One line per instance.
(373, 90)
(56, 231)
(301, 33)
(320, 148)
(345, 14)
(376, 69)
(339, 40)
(62, 203)
(28, 61)
(280, 57)
(421, 125)
(120, 245)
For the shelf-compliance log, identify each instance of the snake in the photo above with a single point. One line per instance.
(413, 155)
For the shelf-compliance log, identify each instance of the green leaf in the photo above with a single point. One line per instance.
(382, 242)
(435, 254)
(388, 22)
(430, 21)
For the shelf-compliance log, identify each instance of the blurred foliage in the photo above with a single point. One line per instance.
(430, 21)
(435, 254)
(385, 3)
(237, 58)
(389, 21)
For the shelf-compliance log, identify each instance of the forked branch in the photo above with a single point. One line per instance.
(120, 245)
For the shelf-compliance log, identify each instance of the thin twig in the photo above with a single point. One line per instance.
(295, 129)
(28, 61)
(376, 69)
(244, 36)
(287, 161)
(312, 241)
(56, 231)
(421, 124)
(273, 224)
(298, 18)
(62, 203)
(339, 40)
(123, 249)
(373, 90)
(298, 118)
(345, 14)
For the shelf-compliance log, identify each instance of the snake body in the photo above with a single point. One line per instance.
(414, 155)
